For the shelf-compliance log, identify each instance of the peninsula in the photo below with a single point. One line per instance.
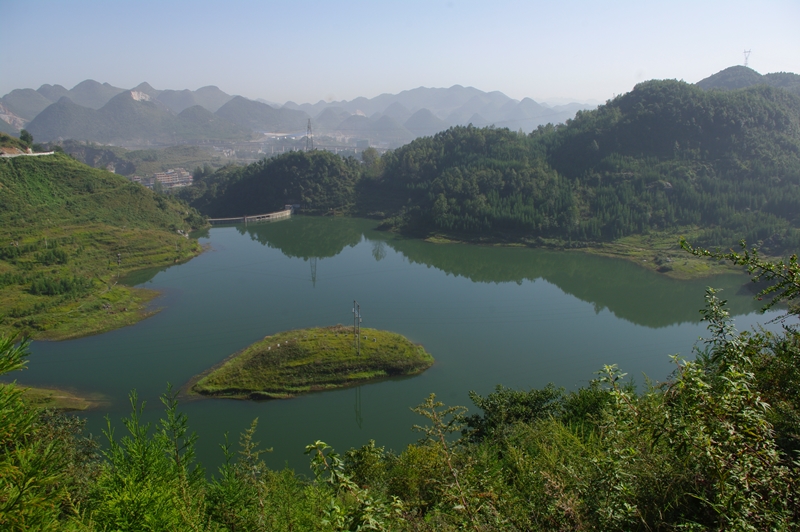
(306, 360)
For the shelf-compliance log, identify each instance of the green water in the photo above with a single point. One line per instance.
(511, 316)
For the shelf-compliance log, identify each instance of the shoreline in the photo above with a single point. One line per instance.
(60, 399)
(118, 306)
(660, 253)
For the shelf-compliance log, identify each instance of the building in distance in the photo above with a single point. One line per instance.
(177, 177)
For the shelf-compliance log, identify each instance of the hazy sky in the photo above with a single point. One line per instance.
(306, 51)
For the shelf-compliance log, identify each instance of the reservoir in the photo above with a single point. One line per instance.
(489, 315)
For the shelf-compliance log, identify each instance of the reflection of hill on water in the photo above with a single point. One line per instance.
(628, 291)
(307, 237)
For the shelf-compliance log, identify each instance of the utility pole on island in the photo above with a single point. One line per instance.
(357, 326)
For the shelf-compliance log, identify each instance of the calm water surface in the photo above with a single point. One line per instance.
(511, 316)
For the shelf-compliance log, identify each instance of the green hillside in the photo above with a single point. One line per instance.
(665, 157)
(68, 234)
(740, 77)
(7, 141)
(319, 181)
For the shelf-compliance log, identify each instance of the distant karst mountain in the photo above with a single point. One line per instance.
(261, 117)
(23, 105)
(100, 112)
(92, 94)
(131, 115)
(424, 123)
(443, 108)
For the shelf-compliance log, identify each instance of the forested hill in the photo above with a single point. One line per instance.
(666, 155)
(320, 181)
(716, 166)
(739, 77)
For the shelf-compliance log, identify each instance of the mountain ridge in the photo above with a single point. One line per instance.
(740, 77)
(444, 107)
(441, 108)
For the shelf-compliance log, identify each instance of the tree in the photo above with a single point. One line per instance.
(784, 277)
(33, 471)
(26, 137)
(150, 481)
(369, 156)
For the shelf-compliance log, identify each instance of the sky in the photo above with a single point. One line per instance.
(306, 51)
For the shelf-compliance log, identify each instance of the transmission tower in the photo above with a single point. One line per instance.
(313, 271)
(746, 58)
(309, 137)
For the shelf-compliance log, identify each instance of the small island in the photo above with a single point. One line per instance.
(61, 400)
(295, 362)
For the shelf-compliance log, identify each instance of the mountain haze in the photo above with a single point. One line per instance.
(261, 117)
(25, 103)
(387, 120)
(391, 116)
(130, 115)
(92, 94)
(52, 92)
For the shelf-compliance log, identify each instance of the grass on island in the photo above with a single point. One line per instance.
(307, 360)
(60, 400)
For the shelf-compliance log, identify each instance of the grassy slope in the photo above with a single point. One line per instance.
(305, 360)
(61, 221)
(8, 141)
